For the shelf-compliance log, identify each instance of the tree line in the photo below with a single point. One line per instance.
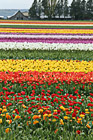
(51, 9)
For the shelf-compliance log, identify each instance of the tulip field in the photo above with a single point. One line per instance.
(46, 80)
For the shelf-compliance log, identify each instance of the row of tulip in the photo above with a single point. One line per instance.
(57, 31)
(54, 95)
(52, 36)
(45, 22)
(50, 77)
(49, 100)
(48, 40)
(55, 34)
(46, 65)
(45, 46)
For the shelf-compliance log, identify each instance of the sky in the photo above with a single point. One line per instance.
(16, 4)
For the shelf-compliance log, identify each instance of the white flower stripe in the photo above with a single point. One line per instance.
(47, 24)
(46, 36)
(45, 46)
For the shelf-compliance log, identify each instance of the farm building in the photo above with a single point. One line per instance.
(1, 17)
(18, 16)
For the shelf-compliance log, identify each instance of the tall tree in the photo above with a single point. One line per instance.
(78, 10)
(33, 10)
(49, 7)
(83, 9)
(45, 7)
(73, 9)
(65, 8)
(59, 8)
(39, 8)
(89, 9)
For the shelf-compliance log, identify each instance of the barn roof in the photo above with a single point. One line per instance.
(16, 14)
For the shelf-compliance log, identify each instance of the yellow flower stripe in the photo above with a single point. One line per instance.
(46, 65)
(70, 31)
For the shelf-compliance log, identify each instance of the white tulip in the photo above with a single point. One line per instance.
(45, 46)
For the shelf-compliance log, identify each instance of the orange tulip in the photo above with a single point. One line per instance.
(88, 126)
(28, 122)
(56, 131)
(23, 106)
(17, 117)
(7, 130)
(36, 117)
(8, 116)
(91, 110)
(9, 121)
(35, 122)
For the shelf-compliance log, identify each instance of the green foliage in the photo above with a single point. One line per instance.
(39, 8)
(75, 11)
(89, 9)
(45, 131)
(65, 8)
(41, 134)
(81, 9)
(46, 26)
(49, 7)
(33, 10)
(46, 54)
(59, 8)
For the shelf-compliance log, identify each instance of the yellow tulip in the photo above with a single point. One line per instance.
(66, 117)
(4, 110)
(61, 122)
(0, 120)
(61, 107)
(40, 111)
(82, 115)
(49, 115)
(54, 120)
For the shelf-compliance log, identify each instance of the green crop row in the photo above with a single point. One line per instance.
(46, 54)
(45, 26)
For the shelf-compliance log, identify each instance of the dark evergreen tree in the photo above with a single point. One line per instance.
(78, 10)
(45, 7)
(49, 7)
(33, 10)
(83, 9)
(39, 8)
(89, 9)
(59, 8)
(65, 8)
(73, 9)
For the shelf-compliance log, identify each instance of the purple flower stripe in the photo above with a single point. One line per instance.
(44, 34)
(47, 40)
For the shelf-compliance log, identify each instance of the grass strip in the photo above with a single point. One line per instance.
(46, 54)
(46, 26)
